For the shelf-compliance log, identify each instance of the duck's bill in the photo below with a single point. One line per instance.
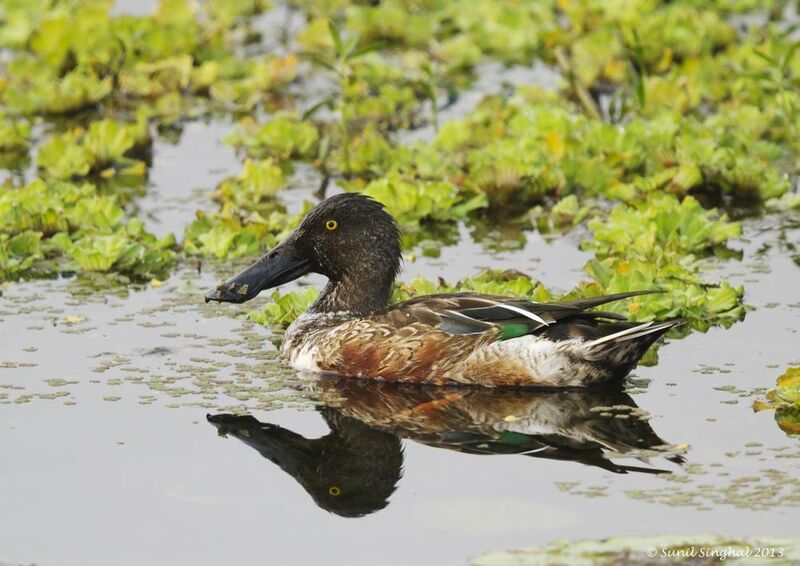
(279, 266)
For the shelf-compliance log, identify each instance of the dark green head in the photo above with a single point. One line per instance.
(349, 238)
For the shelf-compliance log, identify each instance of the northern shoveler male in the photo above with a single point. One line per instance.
(454, 338)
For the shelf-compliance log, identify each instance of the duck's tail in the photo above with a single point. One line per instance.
(630, 343)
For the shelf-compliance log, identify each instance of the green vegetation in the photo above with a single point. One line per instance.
(655, 245)
(15, 134)
(18, 253)
(785, 401)
(104, 150)
(55, 225)
(282, 309)
(233, 232)
(666, 113)
(100, 83)
(282, 138)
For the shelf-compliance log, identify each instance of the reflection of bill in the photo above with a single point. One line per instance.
(355, 468)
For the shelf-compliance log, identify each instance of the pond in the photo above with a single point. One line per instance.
(140, 425)
(117, 448)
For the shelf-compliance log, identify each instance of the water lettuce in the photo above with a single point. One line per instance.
(414, 202)
(72, 227)
(130, 250)
(258, 183)
(105, 149)
(658, 245)
(15, 134)
(18, 253)
(662, 230)
(232, 232)
(785, 401)
(282, 138)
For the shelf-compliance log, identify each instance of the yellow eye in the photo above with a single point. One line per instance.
(334, 490)
(331, 225)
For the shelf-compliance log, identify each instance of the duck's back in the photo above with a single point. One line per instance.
(475, 339)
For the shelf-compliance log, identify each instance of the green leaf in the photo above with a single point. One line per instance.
(337, 38)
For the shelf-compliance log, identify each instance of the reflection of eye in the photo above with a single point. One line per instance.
(334, 490)
(331, 225)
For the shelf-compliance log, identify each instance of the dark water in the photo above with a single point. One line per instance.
(108, 456)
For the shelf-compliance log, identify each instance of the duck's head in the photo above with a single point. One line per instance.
(349, 238)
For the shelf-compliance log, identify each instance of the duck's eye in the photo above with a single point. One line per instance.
(334, 490)
(331, 225)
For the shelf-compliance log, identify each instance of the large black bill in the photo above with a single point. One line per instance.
(280, 266)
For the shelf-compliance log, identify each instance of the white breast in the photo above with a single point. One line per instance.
(304, 358)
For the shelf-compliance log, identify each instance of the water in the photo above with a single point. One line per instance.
(108, 456)
(118, 464)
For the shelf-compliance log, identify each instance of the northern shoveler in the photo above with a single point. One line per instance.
(352, 470)
(454, 338)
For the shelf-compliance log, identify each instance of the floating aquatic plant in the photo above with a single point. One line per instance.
(232, 232)
(14, 135)
(79, 55)
(46, 207)
(662, 230)
(130, 250)
(283, 308)
(18, 253)
(694, 111)
(46, 219)
(258, 183)
(412, 203)
(656, 245)
(105, 149)
(785, 401)
(282, 138)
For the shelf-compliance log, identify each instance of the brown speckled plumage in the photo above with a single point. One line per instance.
(410, 342)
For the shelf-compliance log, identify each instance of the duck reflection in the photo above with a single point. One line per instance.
(354, 469)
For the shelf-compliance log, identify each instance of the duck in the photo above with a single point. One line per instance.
(460, 338)
(353, 469)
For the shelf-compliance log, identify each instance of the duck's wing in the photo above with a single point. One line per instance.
(472, 313)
